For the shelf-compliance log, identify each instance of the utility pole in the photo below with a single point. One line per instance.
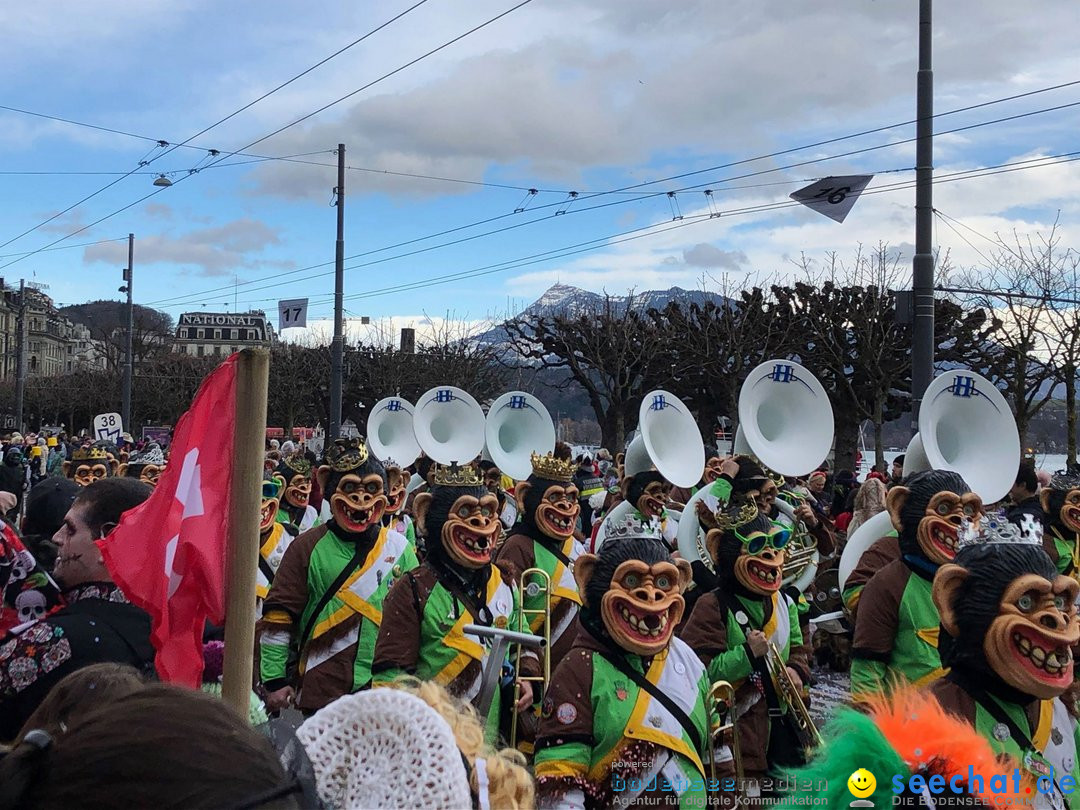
(337, 348)
(129, 356)
(20, 357)
(922, 350)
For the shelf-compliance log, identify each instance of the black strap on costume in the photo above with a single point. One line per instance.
(557, 551)
(759, 665)
(995, 710)
(328, 594)
(618, 660)
(479, 611)
(267, 571)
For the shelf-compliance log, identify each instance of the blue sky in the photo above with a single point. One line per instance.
(560, 95)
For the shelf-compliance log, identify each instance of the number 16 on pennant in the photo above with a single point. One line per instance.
(292, 313)
(833, 196)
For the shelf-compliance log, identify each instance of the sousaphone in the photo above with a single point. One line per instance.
(449, 425)
(390, 432)
(669, 441)
(517, 426)
(965, 426)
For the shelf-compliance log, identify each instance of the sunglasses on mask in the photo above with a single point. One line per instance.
(777, 537)
(269, 490)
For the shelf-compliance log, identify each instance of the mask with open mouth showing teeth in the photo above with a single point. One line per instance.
(268, 508)
(1061, 502)
(1010, 617)
(633, 591)
(355, 484)
(928, 512)
(396, 481)
(747, 548)
(648, 492)
(551, 507)
(462, 514)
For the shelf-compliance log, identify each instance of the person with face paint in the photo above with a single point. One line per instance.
(147, 465)
(1061, 503)
(325, 604)
(97, 622)
(629, 702)
(295, 471)
(425, 613)
(896, 628)
(733, 626)
(548, 503)
(1010, 624)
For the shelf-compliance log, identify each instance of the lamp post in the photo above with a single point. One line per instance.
(922, 287)
(129, 358)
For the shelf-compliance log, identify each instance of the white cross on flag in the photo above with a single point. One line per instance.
(168, 554)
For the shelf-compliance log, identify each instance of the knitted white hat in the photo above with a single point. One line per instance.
(384, 748)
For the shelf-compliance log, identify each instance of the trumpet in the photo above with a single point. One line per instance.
(722, 701)
(533, 582)
(809, 736)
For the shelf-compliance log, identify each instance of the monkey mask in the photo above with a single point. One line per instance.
(396, 481)
(632, 589)
(355, 483)
(268, 508)
(462, 515)
(748, 549)
(90, 464)
(648, 492)
(547, 500)
(1061, 502)
(147, 465)
(928, 512)
(295, 471)
(1011, 619)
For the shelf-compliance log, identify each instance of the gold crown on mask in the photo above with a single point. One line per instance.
(346, 455)
(91, 453)
(454, 476)
(735, 515)
(299, 464)
(551, 468)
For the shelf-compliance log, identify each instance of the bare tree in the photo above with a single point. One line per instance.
(612, 351)
(1016, 284)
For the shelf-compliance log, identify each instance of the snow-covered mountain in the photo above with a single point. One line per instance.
(564, 299)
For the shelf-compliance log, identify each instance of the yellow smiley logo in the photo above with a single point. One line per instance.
(861, 783)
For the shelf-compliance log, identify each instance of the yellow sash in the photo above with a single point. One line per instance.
(468, 649)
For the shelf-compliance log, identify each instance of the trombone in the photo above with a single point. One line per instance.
(533, 582)
(809, 736)
(722, 701)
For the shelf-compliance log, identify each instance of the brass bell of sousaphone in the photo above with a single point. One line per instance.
(390, 432)
(517, 426)
(449, 425)
(668, 440)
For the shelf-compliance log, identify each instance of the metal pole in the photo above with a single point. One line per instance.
(20, 358)
(129, 362)
(337, 348)
(922, 350)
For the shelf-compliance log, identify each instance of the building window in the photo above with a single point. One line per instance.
(217, 351)
(33, 364)
(201, 351)
(199, 334)
(217, 334)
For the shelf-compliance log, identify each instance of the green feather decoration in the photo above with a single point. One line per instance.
(850, 737)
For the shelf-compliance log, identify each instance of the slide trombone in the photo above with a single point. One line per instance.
(722, 701)
(533, 582)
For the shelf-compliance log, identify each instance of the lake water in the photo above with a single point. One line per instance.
(1043, 461)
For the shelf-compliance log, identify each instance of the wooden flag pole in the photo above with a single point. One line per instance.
(242, 557)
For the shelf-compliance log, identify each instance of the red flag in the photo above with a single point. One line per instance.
(168, 554)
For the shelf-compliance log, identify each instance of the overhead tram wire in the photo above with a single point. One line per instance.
(188, 145)
(227, 155)
(667, 225)
(175, 300)
(173, 147)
